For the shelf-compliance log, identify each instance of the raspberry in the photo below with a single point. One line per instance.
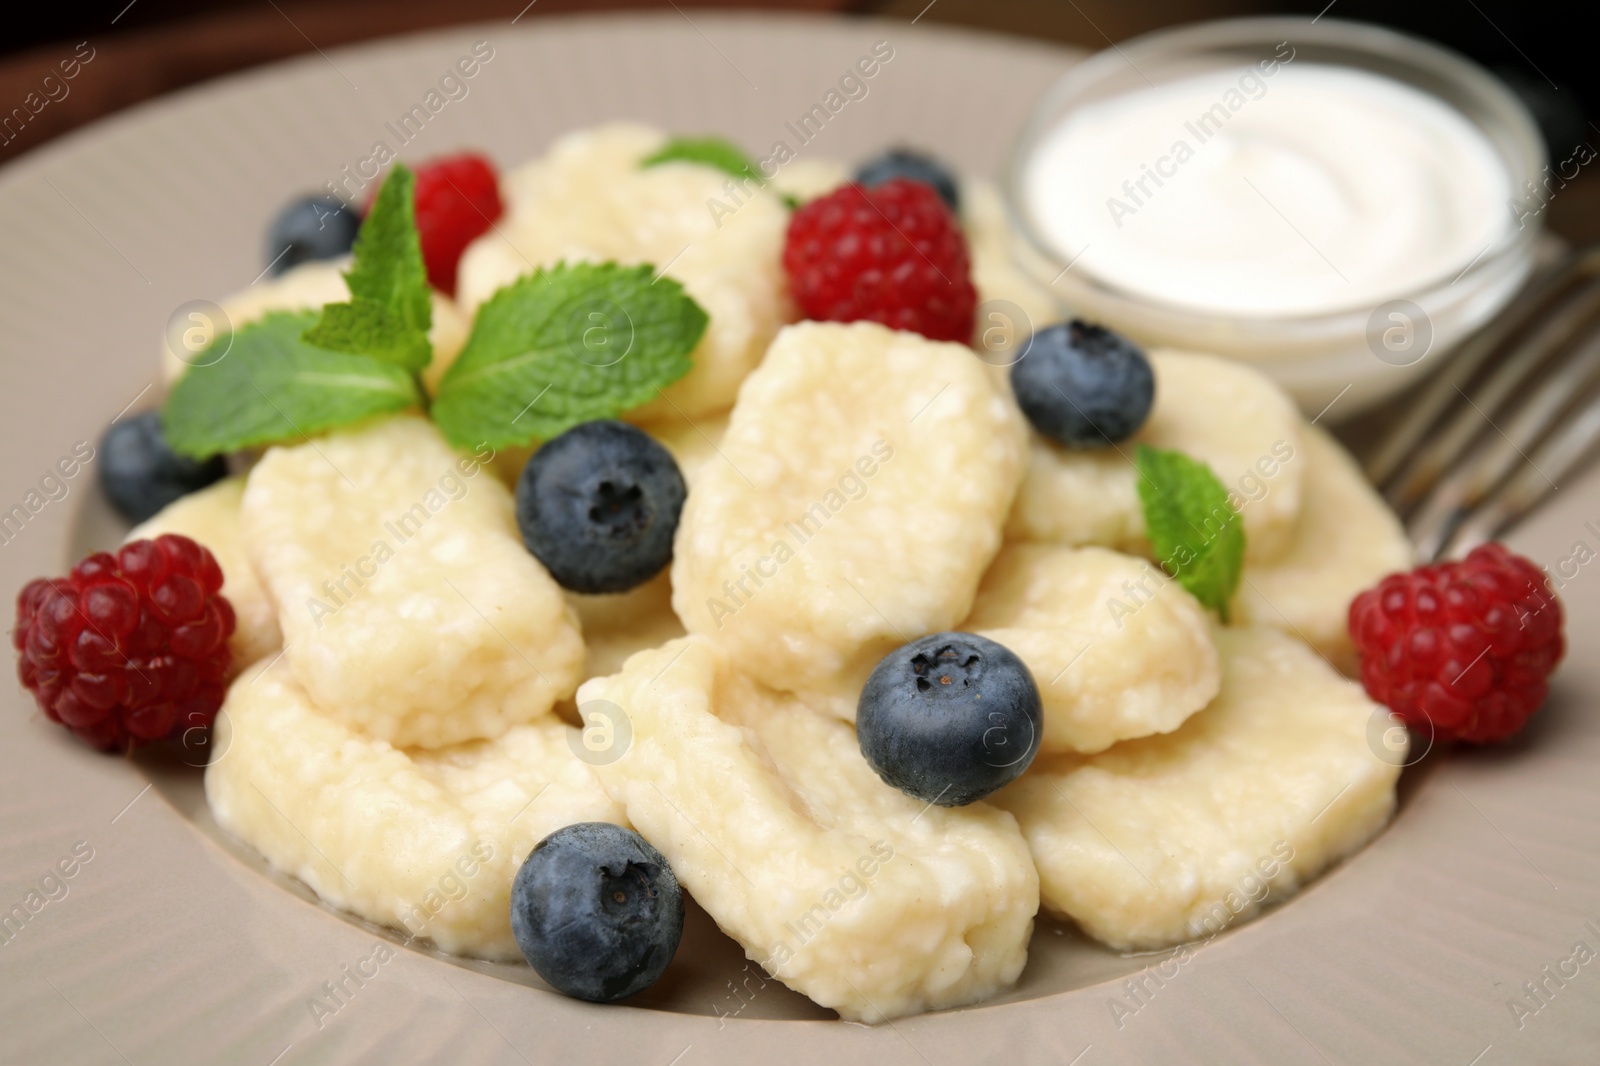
(1464, 649)
(892, 254)
(458, 199)
(128, 648)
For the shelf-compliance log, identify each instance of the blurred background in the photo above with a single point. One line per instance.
(143, 48)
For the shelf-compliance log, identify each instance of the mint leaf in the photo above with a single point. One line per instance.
(390, 308)
(273, 386)
(709, 151)
(566, 345)
(1195, 531)
(364, 327)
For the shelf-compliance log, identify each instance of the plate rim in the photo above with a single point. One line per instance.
(968, 1028)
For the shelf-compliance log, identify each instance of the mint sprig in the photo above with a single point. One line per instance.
(716, 152)
(390, 308)
(565, 345)
(272, 386)
(1196, 533)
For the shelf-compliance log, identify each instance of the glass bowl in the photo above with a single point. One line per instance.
(1358, 356)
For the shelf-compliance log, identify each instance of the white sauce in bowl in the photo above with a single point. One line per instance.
(1310, 189)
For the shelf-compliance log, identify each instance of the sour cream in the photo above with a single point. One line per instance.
(1275, 189)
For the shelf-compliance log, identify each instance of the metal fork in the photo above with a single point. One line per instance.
(1514, 411)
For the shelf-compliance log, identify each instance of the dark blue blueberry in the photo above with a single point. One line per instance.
(596, 911)
(949, 718)
(313, 228)
(1084, 385)
(140, 474)
(598, 506)
(902, 163)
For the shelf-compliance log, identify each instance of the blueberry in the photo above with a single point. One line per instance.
(596, 911)
(315, 227)
(949, 718)
(1084, 385)
(903, 163)
(598, 506)
(140, 474)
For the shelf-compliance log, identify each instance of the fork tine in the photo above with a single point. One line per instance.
(1469, 484)
(1400, 445)
(1482, 469)
(1459, 431)
(1568, 446)
(1468, 487)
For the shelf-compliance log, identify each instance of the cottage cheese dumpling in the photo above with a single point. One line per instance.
(1169, 838)
(424, 841)
(211, 517)
(588, 200)
(693, 444)
(1229, 416)
(867, 475)
(809, 177)
(1345, 540)
(995, 273)
(307, 287)
(508, 462)
(1117, 648)
(410, 609)
(851, 892)
(616, 625)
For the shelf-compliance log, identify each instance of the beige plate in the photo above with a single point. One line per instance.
(172, 946)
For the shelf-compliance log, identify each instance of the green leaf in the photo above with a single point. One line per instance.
(365, 327)
(709, 151)
(273, 386)
(390, 307)
(1195, 531)
(566, 345)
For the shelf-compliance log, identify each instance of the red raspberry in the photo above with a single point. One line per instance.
(458, 199)
(128, 648)
(892, 253)
(1464, 649)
